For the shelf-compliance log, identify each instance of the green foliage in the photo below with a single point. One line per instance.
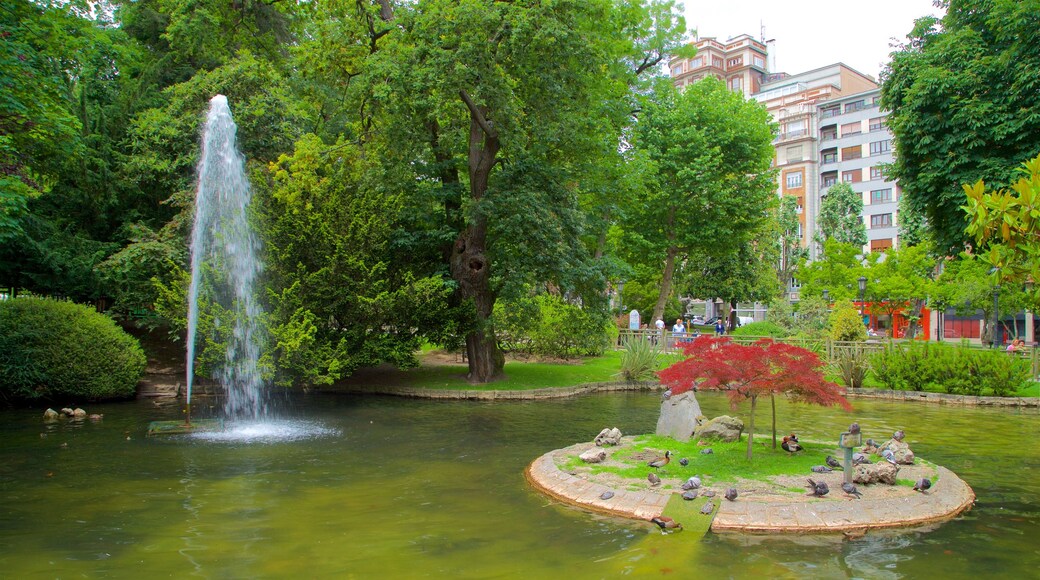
(841, 216)
(640, 360)
(940, 367)
(55, 350)
(851, 363)
(845, 323)
(836, 272)
(763, 328)
(567, 331)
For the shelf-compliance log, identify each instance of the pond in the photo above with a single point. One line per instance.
(403, 488)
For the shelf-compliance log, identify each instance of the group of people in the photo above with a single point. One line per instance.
(1017, 345)
(680, 328)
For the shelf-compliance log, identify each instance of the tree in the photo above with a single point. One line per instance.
(966, 286)
(788, 240)
(841, 216)
(707, 153)
(901, 279)
(963, 94)
(836, 272)
(751, 371)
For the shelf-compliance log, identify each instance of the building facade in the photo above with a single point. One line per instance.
(740, 62)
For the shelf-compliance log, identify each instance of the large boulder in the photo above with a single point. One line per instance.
(608, 436)
(880, 472)
(678, 416)
(722, 428)
(902, 452)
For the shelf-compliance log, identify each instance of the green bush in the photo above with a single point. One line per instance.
(59, 350)
(567, 331)
(851, 365)
(639, 360)
(766, 328)
(958, 370)
(846, 325)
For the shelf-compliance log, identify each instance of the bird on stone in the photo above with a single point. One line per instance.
(653, 479)
(689, 495)
(854, 429)
(666, 523)
(898, 435)
(790, 443)
(708, 493)
(606, 495)
(820, 469)
(851, 490)
(707, 451)
(693, 483)
(833, 462)
(889, 456)
(684, 462)
(731, 494)
(922, 484)
(708, 507)
(660, 461)
(819, 489)
(860, 459)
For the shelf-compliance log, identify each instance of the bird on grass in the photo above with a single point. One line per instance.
(684, 462)
(851, 490)
(922, 485)
(666, 523)
(731, 494)
(834, 463)
(790, 443)
(653, 479)
(819, 488)
(707, 451)
(820, 469)
(660, 461)
(709, 506)
(693, 483)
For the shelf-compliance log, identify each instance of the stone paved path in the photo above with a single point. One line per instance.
(949, 496)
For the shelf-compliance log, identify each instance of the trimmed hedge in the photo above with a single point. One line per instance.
(938, 367)
(55, 350)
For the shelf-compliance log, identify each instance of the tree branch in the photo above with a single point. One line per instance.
(478, 116)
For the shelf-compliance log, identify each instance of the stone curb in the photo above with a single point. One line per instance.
(489, 395)
(949, 496)
(944, 398)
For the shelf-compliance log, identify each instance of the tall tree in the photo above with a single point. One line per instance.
(963, 92)
(707, 153)
(841, 216)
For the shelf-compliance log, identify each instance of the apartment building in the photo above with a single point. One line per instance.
(855, 143)
(794, 102)
(740, 62)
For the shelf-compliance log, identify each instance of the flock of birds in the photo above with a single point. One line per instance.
(692, 486)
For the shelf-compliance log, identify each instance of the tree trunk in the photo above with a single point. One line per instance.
(772, 402)
(751, 427)
(470, 267)
(732, 314)
(669, 267)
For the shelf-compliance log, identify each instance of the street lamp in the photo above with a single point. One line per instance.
(862, 293)
(996, 315)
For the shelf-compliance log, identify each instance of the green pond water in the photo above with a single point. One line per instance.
(373, 487)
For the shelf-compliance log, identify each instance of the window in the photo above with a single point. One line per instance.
(794, 129)
(854, 152)
(676, 70)
(877, 124)
(875, 173)
(880, 245)
(830, 111)
(735, 62)
(830, 157)
(876, 100)
(855, 106)
(758, 61)
(881, 220)
(736, 83)
(879, 147)
(881, 195)
(697, 62)
(851, 128)
(716, 62)
(829, 180)
(794, 179)
(854, 176)
(794, 153)
(828, 134)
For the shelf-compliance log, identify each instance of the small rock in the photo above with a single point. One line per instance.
(79, 413)
(722, 428)
(901, 451)
(881, 472)
(50, 415)
(67, 411)
(593, 456)
(608, 437)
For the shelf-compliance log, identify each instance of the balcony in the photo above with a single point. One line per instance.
(825, 113)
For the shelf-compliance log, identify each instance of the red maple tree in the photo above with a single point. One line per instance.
(748, 371)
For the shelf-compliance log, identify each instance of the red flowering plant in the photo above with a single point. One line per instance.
(748, 371)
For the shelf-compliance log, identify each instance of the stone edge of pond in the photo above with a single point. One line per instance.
(944, 398)
(498, 394)
(949, 497)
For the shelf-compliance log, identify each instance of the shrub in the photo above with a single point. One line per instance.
(846, 324)
(567, 331)
(639, 360)
(851, 365)
(766, 328)
(953, 369)
(51, 349)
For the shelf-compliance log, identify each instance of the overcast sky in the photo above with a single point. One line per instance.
(813, 33)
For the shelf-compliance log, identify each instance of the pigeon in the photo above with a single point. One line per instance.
(820, 469)
(707, 451)
(708, 507)
(833, 462)
(889, 456)
(819, 489)
(898, 435)
(606, 495)
(854, 429)
(922, 484)
(660, 461)
(708, 493)
(790, 444)
(666, 523)
(693, 483)
(684, 462)
(731, 494)
(851, 490)
(689, 495)
(860, 459)
(653, 479)
(871, 443)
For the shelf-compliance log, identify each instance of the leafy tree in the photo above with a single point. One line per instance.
(901, 279)
(751, 371)
(788, 240)
(745, 274)
(963, 94)
(966, 286)
(836, 272)
(707, 153)
(845, 322)
(841, 216)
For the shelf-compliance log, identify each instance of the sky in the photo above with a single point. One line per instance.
(813, 33)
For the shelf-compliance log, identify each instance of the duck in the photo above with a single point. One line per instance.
(819, 488)
(653, 479)
(666, 523)
(922, 485)
(790, 444)
(851, 490)
(660, 461)
(834, 463)
(731, 494)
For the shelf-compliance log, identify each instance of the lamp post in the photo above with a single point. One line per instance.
(996, 315)
(862, 293)
(1030, 336)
